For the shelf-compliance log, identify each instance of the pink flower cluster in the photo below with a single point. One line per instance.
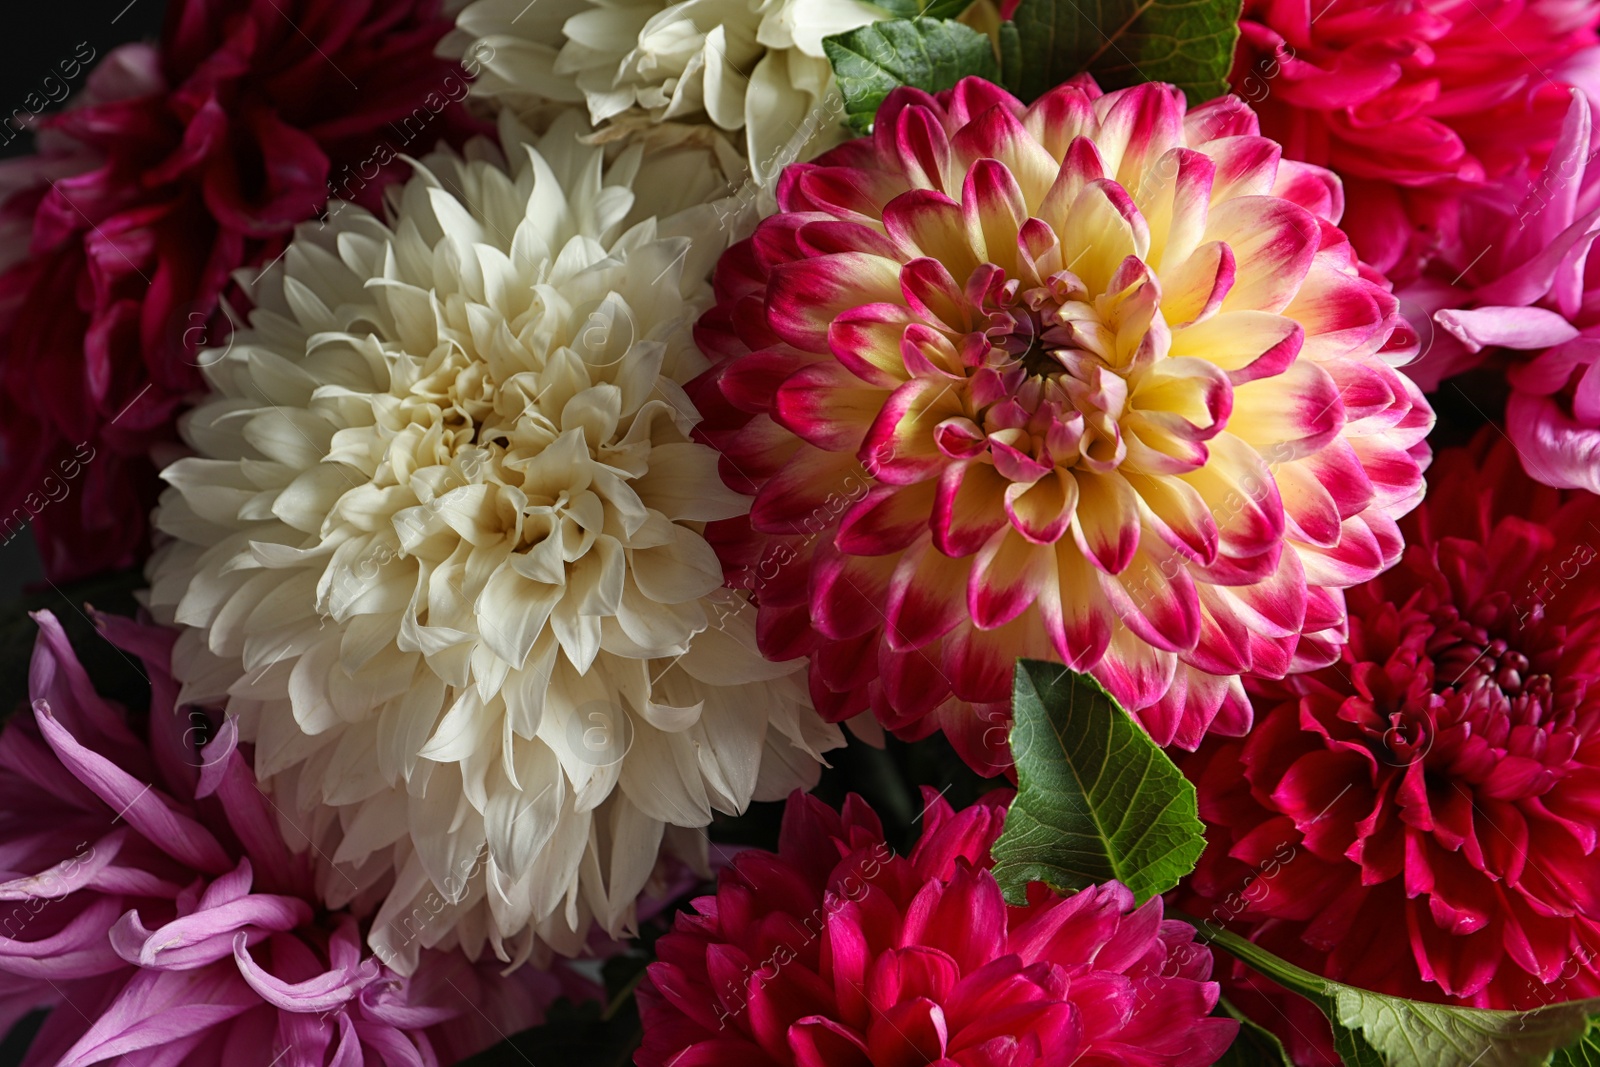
(1141, 388)
(1414, 105)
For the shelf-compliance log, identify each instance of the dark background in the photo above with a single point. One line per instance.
(41, 36)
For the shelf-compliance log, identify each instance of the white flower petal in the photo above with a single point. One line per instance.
(444, 525)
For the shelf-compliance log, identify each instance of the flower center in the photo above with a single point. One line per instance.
(1057, 367)
(1040, 360)
(1487, 700)
(461, 464)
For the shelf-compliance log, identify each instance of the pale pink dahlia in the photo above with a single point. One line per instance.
(835, 952)
(1089, 380)
(1412, 103)
(147, 895)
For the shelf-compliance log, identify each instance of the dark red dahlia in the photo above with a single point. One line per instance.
(1421, 817)
(177, 165)
(837, 953)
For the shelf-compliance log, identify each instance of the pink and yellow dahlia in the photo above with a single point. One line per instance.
(1413, 104)
(835, 952)
(1088, 380)
(1420, 818)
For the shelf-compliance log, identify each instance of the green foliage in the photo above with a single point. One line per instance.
(933, 9)
(1374, 1030)
(1585, 1052)
(1121, 42)
(927, 53)
(1096, 799)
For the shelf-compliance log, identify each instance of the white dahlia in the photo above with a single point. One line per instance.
(751, 65)
(440, 549)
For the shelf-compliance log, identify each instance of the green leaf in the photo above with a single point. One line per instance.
(1125, 42)
(926, 53)
(1256, 1046)
(1096, 798)
(1585, 1053)
(1010, 49)
(934, 9)
(1375, 1030)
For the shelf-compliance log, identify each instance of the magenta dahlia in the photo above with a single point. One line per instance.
(147, 894)
(1088, 380)
(1413, 103)
(1520, 292)
(177, 165)
(1420, 818)
(834, 952)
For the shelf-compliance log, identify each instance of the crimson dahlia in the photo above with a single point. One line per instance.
(177, 165)
(834, 952)
(1420, 817)
(1413, 103)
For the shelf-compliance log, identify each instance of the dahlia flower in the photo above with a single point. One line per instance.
(1521, 292)
(1412, 104)
(1419, 818)
(751, 65)
(177, 164)
(440, 550)
(837, 953)
(1087, 380)
(150, 899)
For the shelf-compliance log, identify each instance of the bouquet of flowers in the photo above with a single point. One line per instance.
(807, 533)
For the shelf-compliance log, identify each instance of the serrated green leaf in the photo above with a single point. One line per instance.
(1096, 798)
(1256, 1046)
(1375, 1030)
(1585, 1052)
(1125, 42)
(926, 53)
